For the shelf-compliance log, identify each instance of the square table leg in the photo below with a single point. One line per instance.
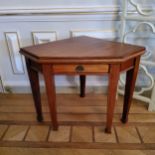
(129, 89)
(51, 94)
(34, 82)
(82, 85)
(113, 81)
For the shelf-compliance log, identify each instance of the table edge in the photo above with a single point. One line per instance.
(80, 60)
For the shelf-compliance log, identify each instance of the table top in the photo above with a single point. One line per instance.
(80, 48)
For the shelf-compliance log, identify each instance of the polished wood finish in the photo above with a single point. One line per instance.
(113, 81)
(34, 81)
(127, 65)
(80, 48)
(82, 85)
(80, 68)
(50, 90)
(83, 56)
(129, 89)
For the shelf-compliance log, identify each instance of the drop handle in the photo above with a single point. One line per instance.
(79, 68)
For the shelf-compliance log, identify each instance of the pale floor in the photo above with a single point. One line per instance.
(58, 151)
(17, 117)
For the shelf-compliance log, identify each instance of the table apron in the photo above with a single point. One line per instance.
(82, 69)
(127, 65)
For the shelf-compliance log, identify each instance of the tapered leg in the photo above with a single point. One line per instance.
(129, 89)
(50, 90)
(113, 81)
(34, 81)
(82, 85)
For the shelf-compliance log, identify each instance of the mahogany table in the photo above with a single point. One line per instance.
(82, 56)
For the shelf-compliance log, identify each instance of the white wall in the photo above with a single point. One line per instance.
(53, 3)
(25, 22)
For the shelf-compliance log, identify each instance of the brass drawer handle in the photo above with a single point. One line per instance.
(79, 68)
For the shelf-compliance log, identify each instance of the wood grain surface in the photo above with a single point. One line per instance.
(19, 131)
(82, 48)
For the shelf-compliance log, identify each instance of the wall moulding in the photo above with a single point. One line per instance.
(44, 36)
(12, 41)
(1, 85)
(59, 18)
(60, 10)
(108, 34)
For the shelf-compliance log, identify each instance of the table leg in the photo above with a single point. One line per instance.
(129, 89)
(113, 81)
(34, 82)
(82, 85)
(50, 90)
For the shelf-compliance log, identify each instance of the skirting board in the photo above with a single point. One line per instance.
(59, 89)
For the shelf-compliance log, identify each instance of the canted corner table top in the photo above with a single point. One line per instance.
(82, 48)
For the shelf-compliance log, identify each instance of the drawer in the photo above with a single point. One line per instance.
(80, 68)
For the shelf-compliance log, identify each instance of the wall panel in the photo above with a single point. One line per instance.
(38, 21)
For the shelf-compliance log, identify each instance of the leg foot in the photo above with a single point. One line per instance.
(107, 130)
(39, 118)
(124, 120)
(55, 128)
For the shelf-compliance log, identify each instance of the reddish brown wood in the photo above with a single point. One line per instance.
(86, 68)
(83, 56)
(80, 49)
(36, 66)
(82, 85)
(80, 145)
(127, 65)
(34, 82)
(113, 81)
(129, 89)
(50, 90)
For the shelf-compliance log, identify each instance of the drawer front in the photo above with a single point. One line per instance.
(81, 68)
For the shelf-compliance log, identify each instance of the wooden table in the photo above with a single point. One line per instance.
(82, 56)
